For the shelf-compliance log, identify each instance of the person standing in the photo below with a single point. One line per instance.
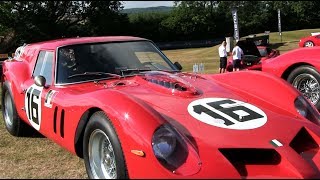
(237, 55)
(223, 57)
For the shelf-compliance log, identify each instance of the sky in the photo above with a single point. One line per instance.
(143, 4)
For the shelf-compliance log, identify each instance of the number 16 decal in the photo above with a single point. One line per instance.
(32, 103)
(227, 113)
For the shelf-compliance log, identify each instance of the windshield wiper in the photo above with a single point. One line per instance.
(134, 70)
(169, 70)
(95, 74)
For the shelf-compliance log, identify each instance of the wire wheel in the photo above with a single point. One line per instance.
(308, 85)
(8, 110)
(101, 156)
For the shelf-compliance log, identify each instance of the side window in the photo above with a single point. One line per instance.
(44, 66)
(39, 63)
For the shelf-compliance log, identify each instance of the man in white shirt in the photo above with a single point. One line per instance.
(237, 55)
(223, 57)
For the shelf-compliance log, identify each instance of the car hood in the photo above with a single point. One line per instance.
(193, 105)
(249, 48)
(262, 136)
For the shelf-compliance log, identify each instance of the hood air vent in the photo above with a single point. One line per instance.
(170, 81)
(171, 85)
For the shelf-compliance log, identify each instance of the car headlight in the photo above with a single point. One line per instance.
(306, 109)
(174, 151)
(163, 143)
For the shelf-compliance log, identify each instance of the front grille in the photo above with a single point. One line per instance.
(243, 159)
(303, 141)
(304, 144)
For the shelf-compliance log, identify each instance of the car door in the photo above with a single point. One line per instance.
(38, 100)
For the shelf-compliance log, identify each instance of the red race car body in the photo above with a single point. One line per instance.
(124, 107)
(253, 56)
(310, 41)
(300, 67)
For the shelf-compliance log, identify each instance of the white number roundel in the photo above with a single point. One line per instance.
(227, 113)
(33, 105)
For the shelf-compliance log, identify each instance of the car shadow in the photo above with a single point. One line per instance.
(34, 134)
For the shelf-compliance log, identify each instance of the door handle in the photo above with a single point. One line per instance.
(23, 91)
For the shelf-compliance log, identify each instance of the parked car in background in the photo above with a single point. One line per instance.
(300, 67)
(253, 55)
(310, 41)
(120, 104)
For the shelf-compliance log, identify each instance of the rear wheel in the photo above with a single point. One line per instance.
(13, 123)
(307, 80)
(103, 155)
(308, 44)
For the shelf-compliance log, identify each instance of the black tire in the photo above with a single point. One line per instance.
(14, 125)
(302, 73)
(100, 126)
(308, 44)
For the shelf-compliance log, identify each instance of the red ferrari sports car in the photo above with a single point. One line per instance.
(127, 110)
(253, 56)
(310, 41)
(300, 67)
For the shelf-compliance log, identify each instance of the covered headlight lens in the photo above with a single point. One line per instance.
(163, 143)
(307, 110)
(174, 151)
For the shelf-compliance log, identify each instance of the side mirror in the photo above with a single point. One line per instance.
(178, 65)
(40, 81)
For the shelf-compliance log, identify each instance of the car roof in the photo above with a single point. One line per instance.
(53, 44)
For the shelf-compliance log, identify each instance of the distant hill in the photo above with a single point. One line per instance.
(148, 9)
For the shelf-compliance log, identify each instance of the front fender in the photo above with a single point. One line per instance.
(135, 122)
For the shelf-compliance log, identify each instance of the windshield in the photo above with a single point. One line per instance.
(82, 62)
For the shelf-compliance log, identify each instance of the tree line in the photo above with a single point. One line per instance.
(33, 21)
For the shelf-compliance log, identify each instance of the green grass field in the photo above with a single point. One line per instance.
(41, 158)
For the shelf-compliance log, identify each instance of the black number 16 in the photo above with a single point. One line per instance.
(33, 108)
(227, 111)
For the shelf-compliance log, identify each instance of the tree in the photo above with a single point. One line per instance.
(104, 18)
(32, 21)
(149, 25)
(192, 19)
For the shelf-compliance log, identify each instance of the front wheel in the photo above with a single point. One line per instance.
(307, 80)
(103, 155)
